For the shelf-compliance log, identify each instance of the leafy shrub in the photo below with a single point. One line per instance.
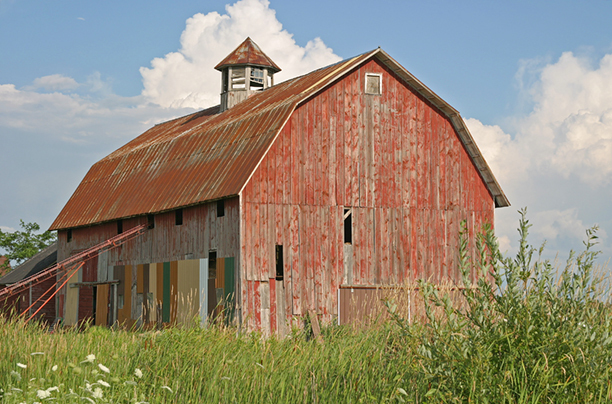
(527, 333)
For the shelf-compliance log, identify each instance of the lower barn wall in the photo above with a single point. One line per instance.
(160, 251)
(182, 292)
(390, 246)
(34, 296)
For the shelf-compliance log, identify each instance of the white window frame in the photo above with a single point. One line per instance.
(379, 75)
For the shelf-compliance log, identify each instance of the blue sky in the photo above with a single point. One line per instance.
(532, 79)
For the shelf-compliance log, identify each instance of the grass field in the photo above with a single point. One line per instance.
(531, 334)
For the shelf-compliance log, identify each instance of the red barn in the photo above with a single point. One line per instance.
(353, 174)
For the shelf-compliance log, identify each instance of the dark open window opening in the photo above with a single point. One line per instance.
(280, 270)
(221, 208)
(119, 226)
(212, 264)
(151, 221)
(224, 80)
(69, 235)
(178, 217)
(348, 226)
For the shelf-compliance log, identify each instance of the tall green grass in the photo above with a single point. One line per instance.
(524, 333)
(213, 365)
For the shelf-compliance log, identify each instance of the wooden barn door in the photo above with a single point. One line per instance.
(102, 304)
(87, 294)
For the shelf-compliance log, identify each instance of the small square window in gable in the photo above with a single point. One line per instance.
(373, 83)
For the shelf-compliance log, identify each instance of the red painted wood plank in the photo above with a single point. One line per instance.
(256, 239)
(332, 127)
(385, 247)
(324, 135)
(310, 149)
(318, 232)
(286, 167)
(421, 173)
(349, 141)
(340, 112)
(271, 241)
(262, 178)
(334, 242)
(257, 304)
(356, 133)
(427, 150)
(315, 147)
(296, 168)
(264, 243)
(375, 181)
(396, 249)
(302, 154)
(247, 236)
(273, 309)
(405, 144)
(296, 268)
(377, 252)
(287, 260)
(365, 245)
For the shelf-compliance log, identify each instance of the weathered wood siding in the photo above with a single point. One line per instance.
(200, 232)
(394, 160)
(19, 303)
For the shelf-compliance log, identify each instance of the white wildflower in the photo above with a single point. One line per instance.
(90, 358)
(37, 353)
(103, 368)
(97, 393)
(103, 383)
(21, 365)
(167, 388)
(89, 399)
(43, 394)
(54, 388)
(138, 373)
(54, 368)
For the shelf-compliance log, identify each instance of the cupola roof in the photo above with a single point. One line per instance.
(248, 53)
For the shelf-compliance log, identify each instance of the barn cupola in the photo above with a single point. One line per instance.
(243, 72)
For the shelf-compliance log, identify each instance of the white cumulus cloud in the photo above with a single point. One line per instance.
(558, 157)
(187, 78)
(569, 130)
(55, 82)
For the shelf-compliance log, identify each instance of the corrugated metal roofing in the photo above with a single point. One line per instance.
(248, 53)
(207, 155)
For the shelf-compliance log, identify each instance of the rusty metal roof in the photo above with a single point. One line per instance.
(248, 53)
(209, 155)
